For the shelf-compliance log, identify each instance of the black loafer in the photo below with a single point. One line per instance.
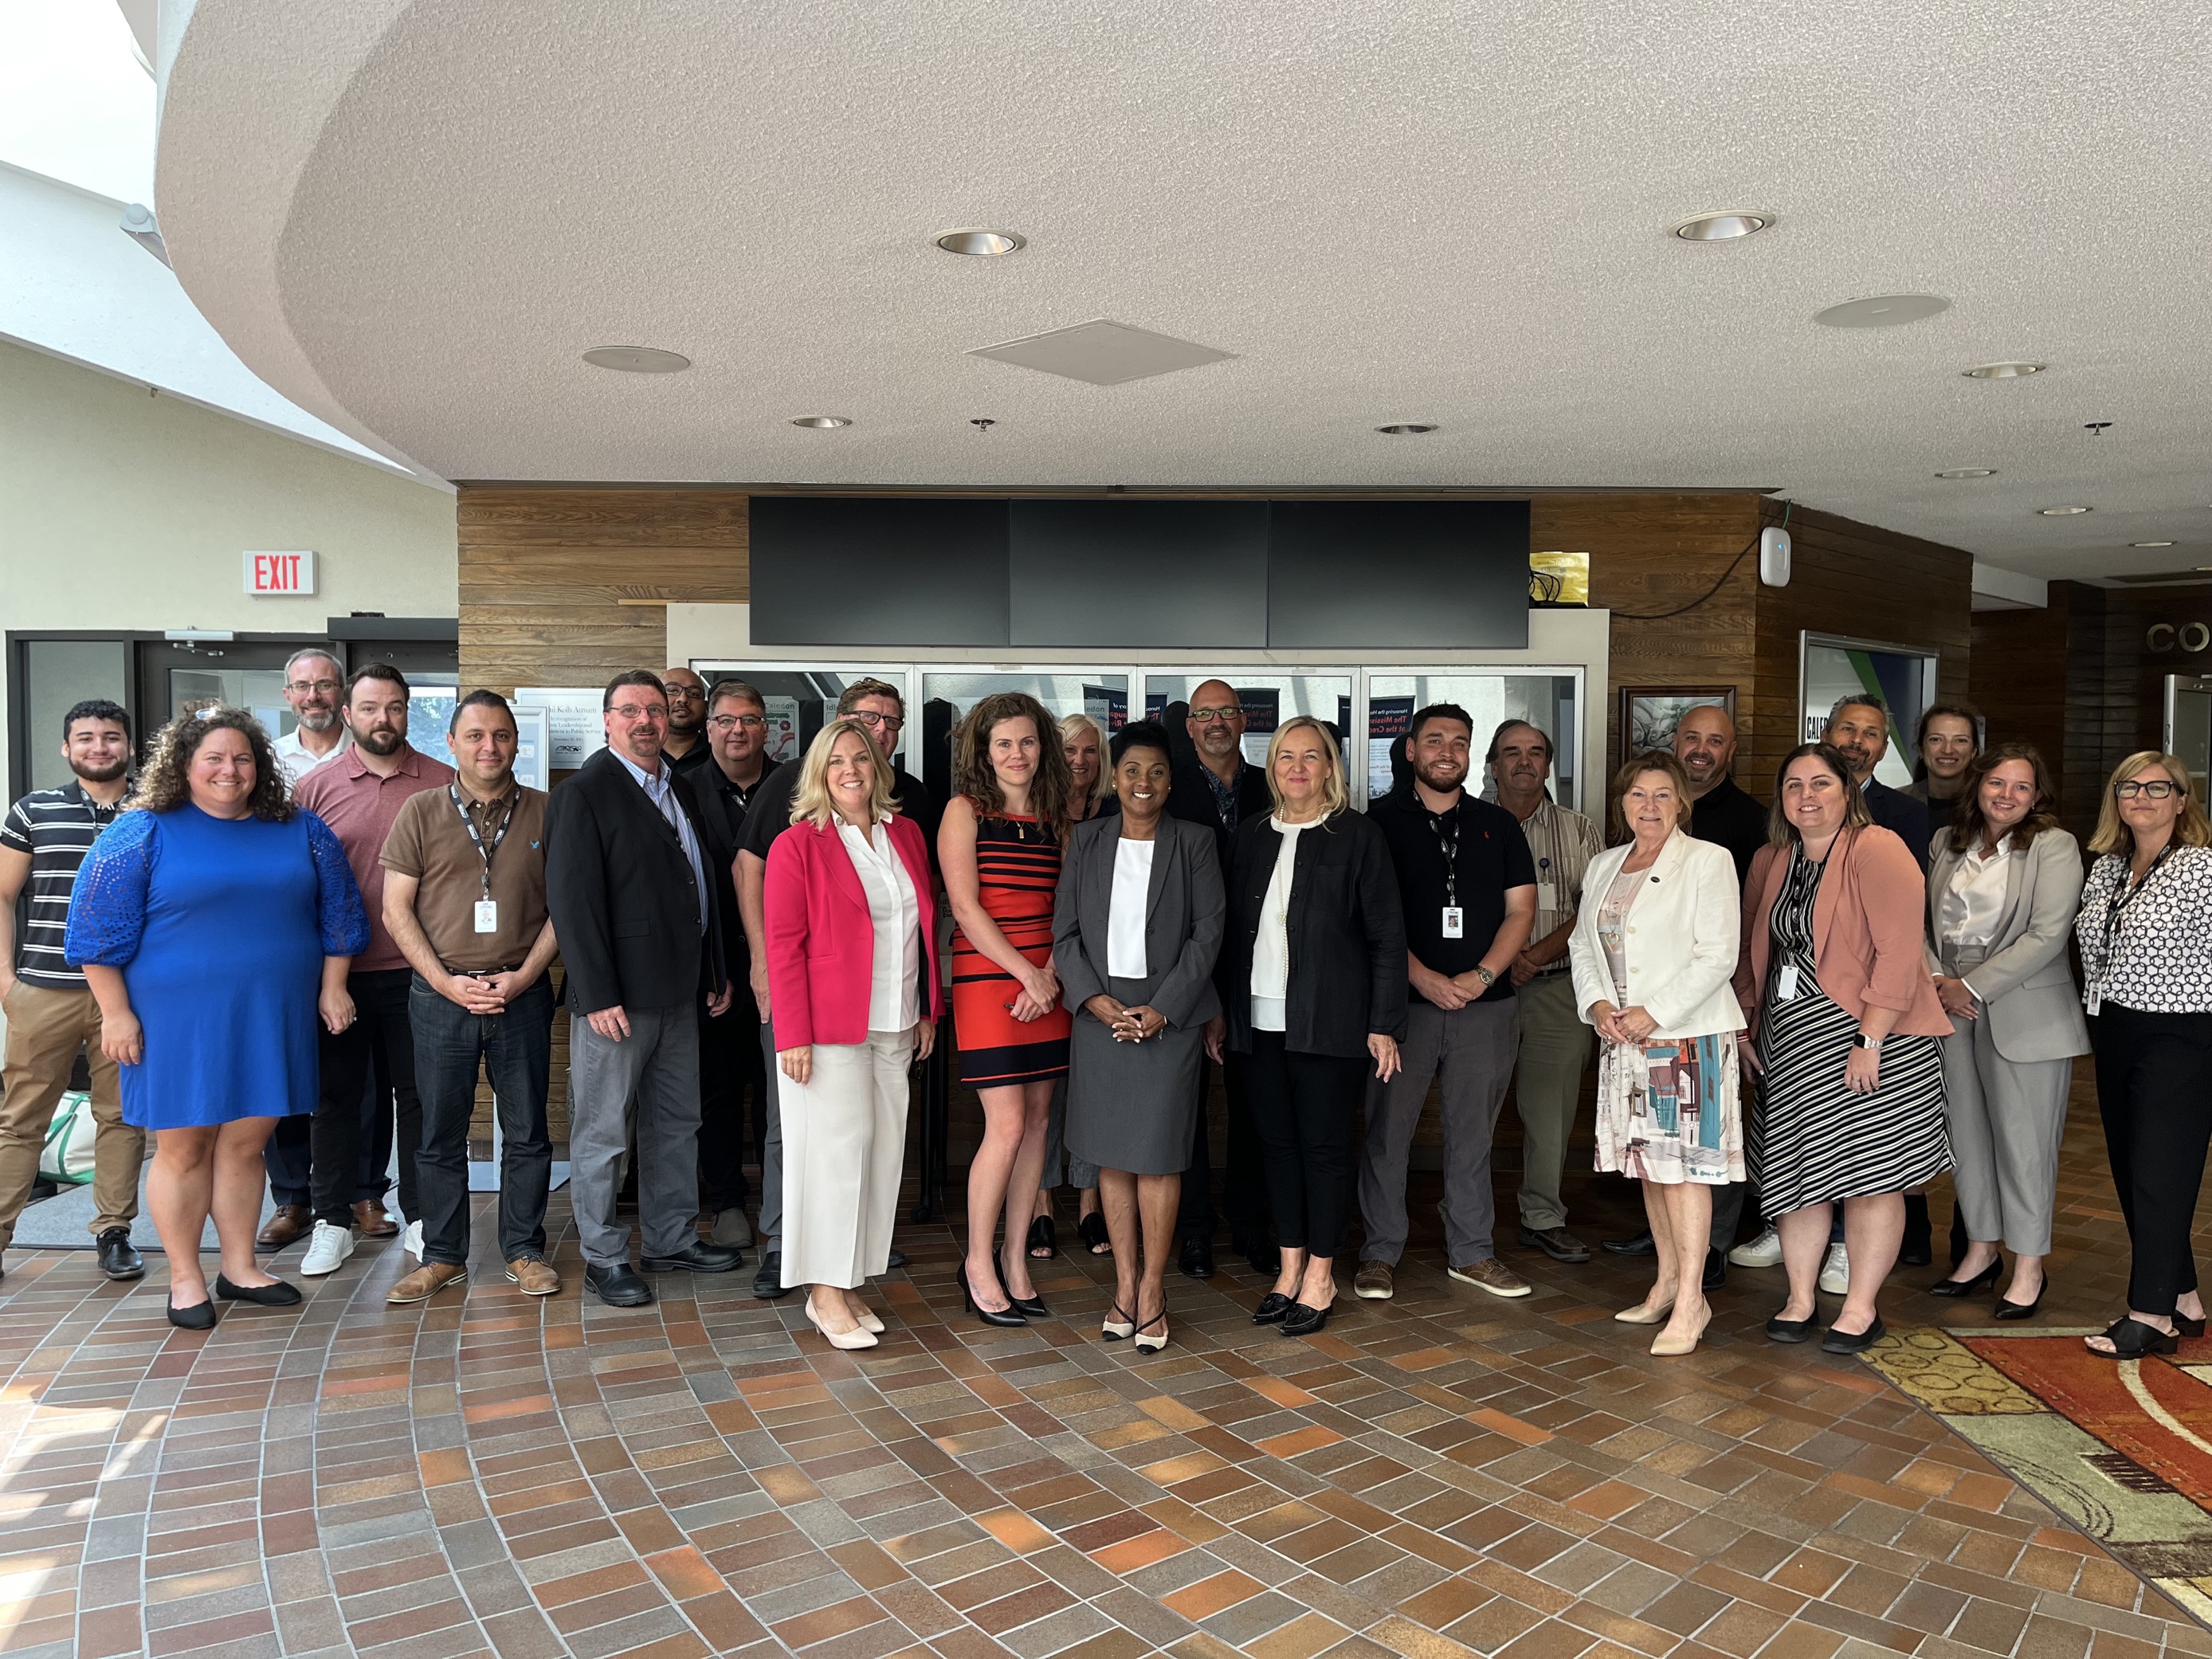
(1642, 1244)
(1303, 1321)
(117, 1258)
(200, 1317)
(1715, 1277)
(767, 1283)
(278, 1295)
(1197, 1258)
(1779, 1329)
(1272, 1309)
(1837, 1341)
(618, 1287)
(698, 1257)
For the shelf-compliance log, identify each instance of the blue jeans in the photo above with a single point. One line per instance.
(517, 1048)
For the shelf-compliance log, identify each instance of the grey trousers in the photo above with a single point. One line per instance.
(1472, 1048)
(1080, 1175)
(655, 1068)
(1554, 1047)
(2006, 1118)
(771, 1208)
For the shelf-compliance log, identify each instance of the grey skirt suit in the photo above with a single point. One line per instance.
(1132, 1106)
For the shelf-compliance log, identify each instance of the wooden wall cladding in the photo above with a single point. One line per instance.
(2018, 680)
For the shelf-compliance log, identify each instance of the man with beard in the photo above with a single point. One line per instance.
(686, 748)
(1468, 885)
(312, 681)
(1858, 725)
(359, 796)
(1721, 811)
(52, 1016)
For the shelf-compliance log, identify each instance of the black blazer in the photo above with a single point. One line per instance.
(623, 903)
(1183, 918)
(1347, 935)
(1902, 816)
(1190, 798)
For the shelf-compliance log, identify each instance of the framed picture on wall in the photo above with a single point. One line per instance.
(1648, 714)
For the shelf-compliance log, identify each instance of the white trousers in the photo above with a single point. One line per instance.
(844, 1143)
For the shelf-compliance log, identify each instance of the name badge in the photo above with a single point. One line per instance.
(2094, 1002)
(1785, 983)
(487, 915)
(1547, 896)
(1455, 922)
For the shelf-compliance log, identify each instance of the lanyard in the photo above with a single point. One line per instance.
(476, 840)
(1450, 847)
(2124, 894)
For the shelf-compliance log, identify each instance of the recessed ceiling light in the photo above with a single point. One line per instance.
(981, 244)
(1405, 429)
(1969, 473)
(822, 422)
(2060, 512)
(2004, 371)
(1722, 227)
(1882, 311)
(2150, 544)
(636, 359)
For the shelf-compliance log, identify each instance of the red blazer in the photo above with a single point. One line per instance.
(821, 939)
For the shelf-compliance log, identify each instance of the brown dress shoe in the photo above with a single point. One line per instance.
(1374, 1282)
(290, 1221)
(533, 1275)
(426, 1281)
(370, 1221)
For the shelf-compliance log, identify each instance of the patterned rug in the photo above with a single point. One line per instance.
(2124, 1450)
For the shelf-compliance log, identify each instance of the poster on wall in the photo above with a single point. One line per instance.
(1387, 720)
(1107, 706)
(1262, 706)
(783, 736)
(575, 729)
(530, 747)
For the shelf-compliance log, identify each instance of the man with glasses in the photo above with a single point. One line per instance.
(1219, 789)
(878, 706)
(687, 748)
(313, 683)
(642, 933)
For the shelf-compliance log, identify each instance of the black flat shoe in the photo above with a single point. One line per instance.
(1837, 1341)
(1196, 1261)
(200, 1317)
(1303, 1321)
(1779, 1329)
(118, 1260)
(1044, 1239)
(279, 1295)
(767, 1283)
(1272, 1309)
(1982, 1280)
(1006, 1318)
(1642, 1244)
(1092, 1229)
(2007, 1309)
(2131, 1339)
(696, 1257)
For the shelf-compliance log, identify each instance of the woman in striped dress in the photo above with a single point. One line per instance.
(1845, 1022)
(1000, 849)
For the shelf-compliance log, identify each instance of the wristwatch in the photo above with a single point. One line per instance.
(1862, 1041)
(1484, 973)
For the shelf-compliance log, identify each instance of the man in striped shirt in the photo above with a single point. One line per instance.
(52, 1016)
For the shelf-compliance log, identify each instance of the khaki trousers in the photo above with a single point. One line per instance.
(1553, 1045)
(46, 1029)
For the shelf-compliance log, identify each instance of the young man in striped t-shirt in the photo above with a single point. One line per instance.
(51, 1011)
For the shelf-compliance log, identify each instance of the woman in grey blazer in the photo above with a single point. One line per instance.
(1136, 927)
(2004, 883)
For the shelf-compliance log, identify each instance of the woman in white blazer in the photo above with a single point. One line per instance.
(1653, 950)
(2003, 883)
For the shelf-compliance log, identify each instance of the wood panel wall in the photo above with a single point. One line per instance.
(2018, 680)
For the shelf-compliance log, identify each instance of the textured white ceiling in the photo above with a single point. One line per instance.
(411, 218)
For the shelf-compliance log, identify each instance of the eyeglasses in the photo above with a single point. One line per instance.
(1207, 716)
(303, 686)
(2156, 789)
(683, 694)
(876, 722)
(639, 711)
(750, 722)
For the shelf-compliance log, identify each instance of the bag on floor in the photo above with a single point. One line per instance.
(67, 1155)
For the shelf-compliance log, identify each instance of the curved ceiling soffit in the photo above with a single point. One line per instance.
(246, 87)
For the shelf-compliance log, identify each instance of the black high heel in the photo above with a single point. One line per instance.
(2186, 1326)
(1030, 1307)
(1092, 1229)
(1982, 1280)
(1044, 1239)
(2007, 1309)
(1004, 1318)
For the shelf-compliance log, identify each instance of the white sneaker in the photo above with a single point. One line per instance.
(1836, 1271)
(326, 1250)
(1764, 1251)
(414, 1240)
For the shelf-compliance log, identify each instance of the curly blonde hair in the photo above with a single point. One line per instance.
(162, 787)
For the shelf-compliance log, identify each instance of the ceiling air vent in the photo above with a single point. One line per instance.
(1103, 352)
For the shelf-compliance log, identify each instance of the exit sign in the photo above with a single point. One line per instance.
(269, 573)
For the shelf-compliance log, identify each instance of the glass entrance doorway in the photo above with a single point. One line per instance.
(947, 695)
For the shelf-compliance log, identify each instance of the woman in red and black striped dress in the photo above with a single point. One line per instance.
(999, 848)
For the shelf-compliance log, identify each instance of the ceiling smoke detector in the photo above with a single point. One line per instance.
(822, 422)
(1722, 227)
(1882, 311)
(1407, 428)
(636, 359)
(2004, 371)
(2059, 511)
(981, 244)
(1969, 473)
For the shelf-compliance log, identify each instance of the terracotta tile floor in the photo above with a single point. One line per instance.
(1445, 1474)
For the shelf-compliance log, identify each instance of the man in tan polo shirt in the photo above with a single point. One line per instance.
(465, 900)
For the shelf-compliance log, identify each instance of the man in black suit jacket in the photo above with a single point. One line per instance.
(1859, 727)
(641, 937)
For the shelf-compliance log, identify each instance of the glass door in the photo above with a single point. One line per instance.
(801, 699)
(2188, 727)
(1265, 697)
(948, 693)
(1549, 701)
(185, 677)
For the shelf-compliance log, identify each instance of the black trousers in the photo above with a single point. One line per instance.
(1244, 1192)
(379, 1045)
(2155, 1093)
(731, 1070)
(1304, 1107)
(451, 1045)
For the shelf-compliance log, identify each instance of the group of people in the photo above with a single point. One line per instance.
(284, 957)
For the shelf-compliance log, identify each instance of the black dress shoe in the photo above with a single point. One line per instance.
(897, 1259)
(1197, 1258)
(2007, 1309)
(117, 1258)
(1273, 1306)
(1779, 1329)
(618, 1287)
(1303, 1321)
(1642, 1244)
(1988, 1276)
(696, 1257)
(200, 1317)
(1264, 1258)
(1716, 1275)
(278, 1295)
(767, 1283)
(1837, 1341)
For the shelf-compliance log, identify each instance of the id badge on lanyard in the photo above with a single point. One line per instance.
(487, 915)
(1455, 922)
(1785, 983)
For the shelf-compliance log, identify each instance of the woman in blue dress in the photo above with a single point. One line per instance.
(215, 923)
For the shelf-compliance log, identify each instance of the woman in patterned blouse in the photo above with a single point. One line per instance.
(2146, 936)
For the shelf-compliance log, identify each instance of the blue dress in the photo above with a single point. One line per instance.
(220, 926)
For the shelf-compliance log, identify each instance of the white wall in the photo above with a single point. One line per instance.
(127, 509)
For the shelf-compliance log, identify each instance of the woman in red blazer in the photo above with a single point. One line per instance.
(852, 966)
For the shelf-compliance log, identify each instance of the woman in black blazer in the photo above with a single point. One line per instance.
(1316, 953)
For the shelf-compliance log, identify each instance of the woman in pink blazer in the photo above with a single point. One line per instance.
(1844, 1022)
(852, 966)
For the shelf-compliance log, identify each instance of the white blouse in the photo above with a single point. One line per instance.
(1271, 950)
(1967, 918)
(1125, 912)
(895, 966)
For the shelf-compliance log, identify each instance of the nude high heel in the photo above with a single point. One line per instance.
(1644, 1314)
(852, 1339)
(1673, 1347)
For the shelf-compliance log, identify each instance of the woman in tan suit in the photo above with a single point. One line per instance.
(2004, 882)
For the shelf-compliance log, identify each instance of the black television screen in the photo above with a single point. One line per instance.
(1138, 573)
(872, 570)
(1383, 575)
